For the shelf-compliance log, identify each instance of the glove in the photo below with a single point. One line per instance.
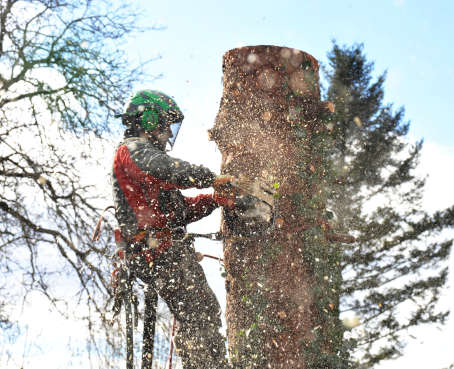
(225, 191)
(224, 183)
(224, 201)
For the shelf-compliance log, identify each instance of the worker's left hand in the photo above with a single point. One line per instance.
(224, 183)
(225, 191)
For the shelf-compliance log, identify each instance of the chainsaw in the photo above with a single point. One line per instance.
(253, 209)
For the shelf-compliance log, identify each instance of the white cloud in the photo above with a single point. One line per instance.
(436, 162)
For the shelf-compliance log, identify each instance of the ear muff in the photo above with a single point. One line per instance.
(149, 120)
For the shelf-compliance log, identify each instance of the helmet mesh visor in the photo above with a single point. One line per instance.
(175, 128)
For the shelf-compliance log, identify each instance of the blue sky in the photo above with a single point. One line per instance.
(410, 39)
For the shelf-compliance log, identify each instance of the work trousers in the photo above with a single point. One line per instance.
(178, 278)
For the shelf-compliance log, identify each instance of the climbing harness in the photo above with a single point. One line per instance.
(122, 283)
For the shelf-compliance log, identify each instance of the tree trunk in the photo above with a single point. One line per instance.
(270, 94)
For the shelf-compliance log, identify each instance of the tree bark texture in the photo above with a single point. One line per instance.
(270, 301)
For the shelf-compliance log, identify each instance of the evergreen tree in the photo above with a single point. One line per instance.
(395, 272)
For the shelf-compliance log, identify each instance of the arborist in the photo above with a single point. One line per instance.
(152, 215)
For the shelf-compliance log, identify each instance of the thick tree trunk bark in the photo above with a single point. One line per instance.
(271, 310)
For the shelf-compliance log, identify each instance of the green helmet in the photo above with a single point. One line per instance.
(151, 109)
(154, 108)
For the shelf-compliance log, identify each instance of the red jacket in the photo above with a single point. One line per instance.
(146, 189)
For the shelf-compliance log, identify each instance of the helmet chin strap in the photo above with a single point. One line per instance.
(162, 145)
(154, 140)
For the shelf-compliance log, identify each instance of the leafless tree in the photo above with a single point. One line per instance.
(63, 75)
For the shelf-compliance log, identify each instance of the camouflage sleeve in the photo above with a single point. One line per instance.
(176, 171)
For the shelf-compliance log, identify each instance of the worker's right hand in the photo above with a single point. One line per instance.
(225, 191)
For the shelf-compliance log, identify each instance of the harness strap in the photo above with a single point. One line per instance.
(163, 237)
